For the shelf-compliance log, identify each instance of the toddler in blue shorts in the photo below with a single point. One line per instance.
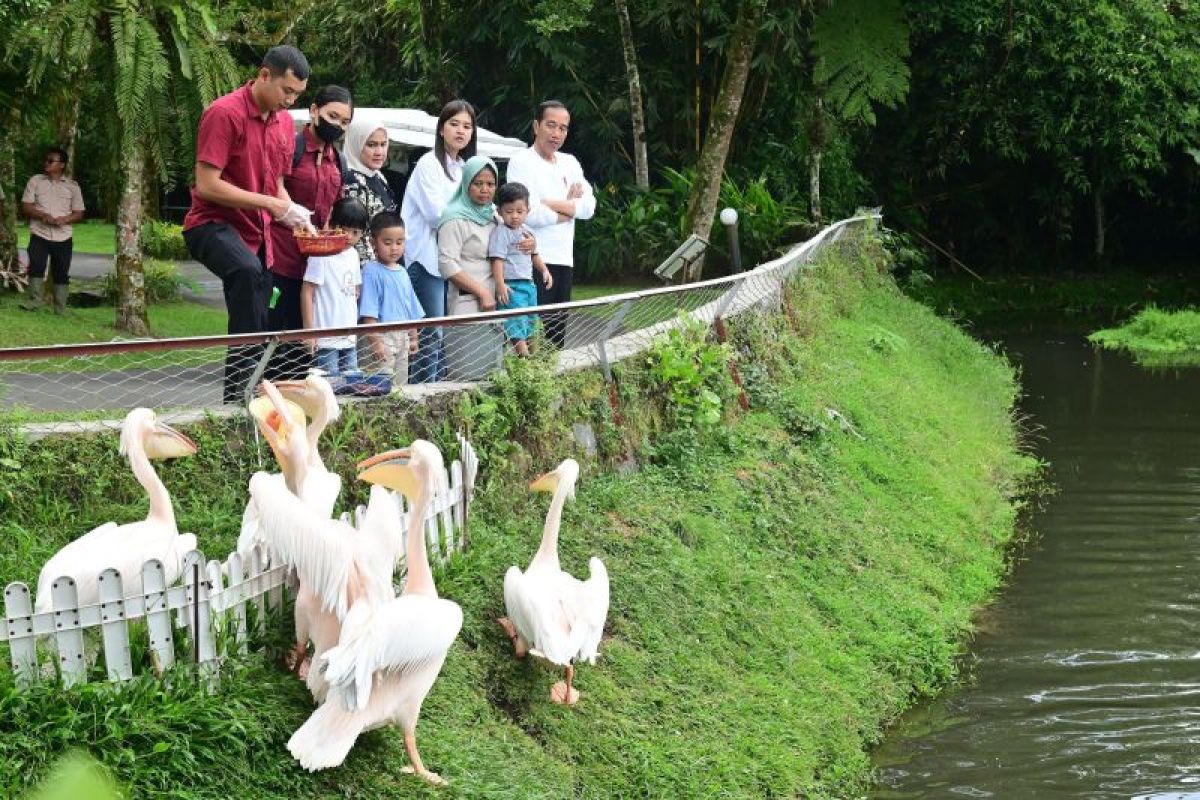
(513, 270)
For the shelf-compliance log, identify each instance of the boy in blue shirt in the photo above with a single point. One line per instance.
(388, 296)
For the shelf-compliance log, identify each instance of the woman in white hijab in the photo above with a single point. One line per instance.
(364, 155)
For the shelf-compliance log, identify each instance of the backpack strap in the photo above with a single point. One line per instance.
(298, 152)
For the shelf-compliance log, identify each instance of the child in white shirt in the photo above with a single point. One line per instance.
(329, 296)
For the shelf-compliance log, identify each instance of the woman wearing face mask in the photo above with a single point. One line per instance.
(315, 183)
(462, 239)
(365, 153)
(434, 178)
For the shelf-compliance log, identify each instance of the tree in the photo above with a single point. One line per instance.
(153, 85)
(637, 115)
(710, 167)
(1095, 94)
(860, 53)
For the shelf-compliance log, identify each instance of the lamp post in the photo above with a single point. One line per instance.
(729, 218)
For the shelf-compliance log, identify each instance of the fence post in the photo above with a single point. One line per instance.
(158, 616)
(113, 625)
(609, 329)
(22, 646)
(259, 369)
(68, 637)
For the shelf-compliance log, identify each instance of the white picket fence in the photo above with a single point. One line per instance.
(208, 596)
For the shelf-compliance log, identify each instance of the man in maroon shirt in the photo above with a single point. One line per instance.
(243, 151)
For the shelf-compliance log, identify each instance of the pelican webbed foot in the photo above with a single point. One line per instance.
(563, 693)
(519, 646)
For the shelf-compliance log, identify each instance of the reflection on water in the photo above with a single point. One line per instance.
(1087, 670)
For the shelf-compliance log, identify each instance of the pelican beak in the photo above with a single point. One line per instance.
(166, 442)
(298, 392)
(277, 418)
(545, 483)
(392, 470)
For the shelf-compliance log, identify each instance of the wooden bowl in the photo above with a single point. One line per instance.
(322, 243)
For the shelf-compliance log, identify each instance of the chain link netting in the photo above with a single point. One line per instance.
(81, 386)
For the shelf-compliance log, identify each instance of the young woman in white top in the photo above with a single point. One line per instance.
(433, 180)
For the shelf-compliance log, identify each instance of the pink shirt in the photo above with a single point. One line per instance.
(252, 153)
(315, 188)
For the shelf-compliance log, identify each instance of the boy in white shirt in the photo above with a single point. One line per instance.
(559, 195)
(329, 296)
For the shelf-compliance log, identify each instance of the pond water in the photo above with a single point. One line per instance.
(1085, 677)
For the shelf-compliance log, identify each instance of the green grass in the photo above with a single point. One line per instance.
(1157, 338)
(783, 583)
(592, 290)
(80, 325)
(90, 236)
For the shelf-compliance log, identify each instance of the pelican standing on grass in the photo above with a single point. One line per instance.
(337, 564)
(389, 654)
(128, 547)
(316, 486)
(552, 615)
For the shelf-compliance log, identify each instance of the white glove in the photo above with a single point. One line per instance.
(297, 216)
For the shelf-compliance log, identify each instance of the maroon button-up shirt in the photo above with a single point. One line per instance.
(316, 188)
(252, 154)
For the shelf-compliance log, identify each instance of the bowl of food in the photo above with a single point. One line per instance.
(326, 242)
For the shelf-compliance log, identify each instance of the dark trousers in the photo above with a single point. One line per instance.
(247, 286)
(57, 253)
(291, 360)
(555, 321)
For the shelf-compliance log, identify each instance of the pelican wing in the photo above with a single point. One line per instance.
(321, 490)
(321, 550)
(406, 635)
(534, 601)
(586, 605)
(379, 542)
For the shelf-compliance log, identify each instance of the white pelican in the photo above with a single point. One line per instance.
(128, 547)
(317, 487)
(337, 564)
(552, 615)
(390, 654)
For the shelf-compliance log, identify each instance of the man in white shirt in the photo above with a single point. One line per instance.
(558, 196)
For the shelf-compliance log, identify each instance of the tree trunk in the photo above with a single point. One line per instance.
(817, 136)
(9, 195)
(710, 167)
(131, 281)
(66, 123)
(1098, 209)
(641, 165)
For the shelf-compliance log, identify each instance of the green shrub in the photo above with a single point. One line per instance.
(163, 282)
(163, 240)
(634, 230)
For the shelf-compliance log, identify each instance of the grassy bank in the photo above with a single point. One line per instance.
(1157, 338)
(785, 580)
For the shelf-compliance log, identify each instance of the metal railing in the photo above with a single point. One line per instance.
(83, 386)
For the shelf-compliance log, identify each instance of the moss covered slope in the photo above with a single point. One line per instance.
(784, 581)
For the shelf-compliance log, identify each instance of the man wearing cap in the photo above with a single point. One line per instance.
(51, 201)
(243, 152)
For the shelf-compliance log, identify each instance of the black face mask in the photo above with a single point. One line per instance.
(327, 131)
